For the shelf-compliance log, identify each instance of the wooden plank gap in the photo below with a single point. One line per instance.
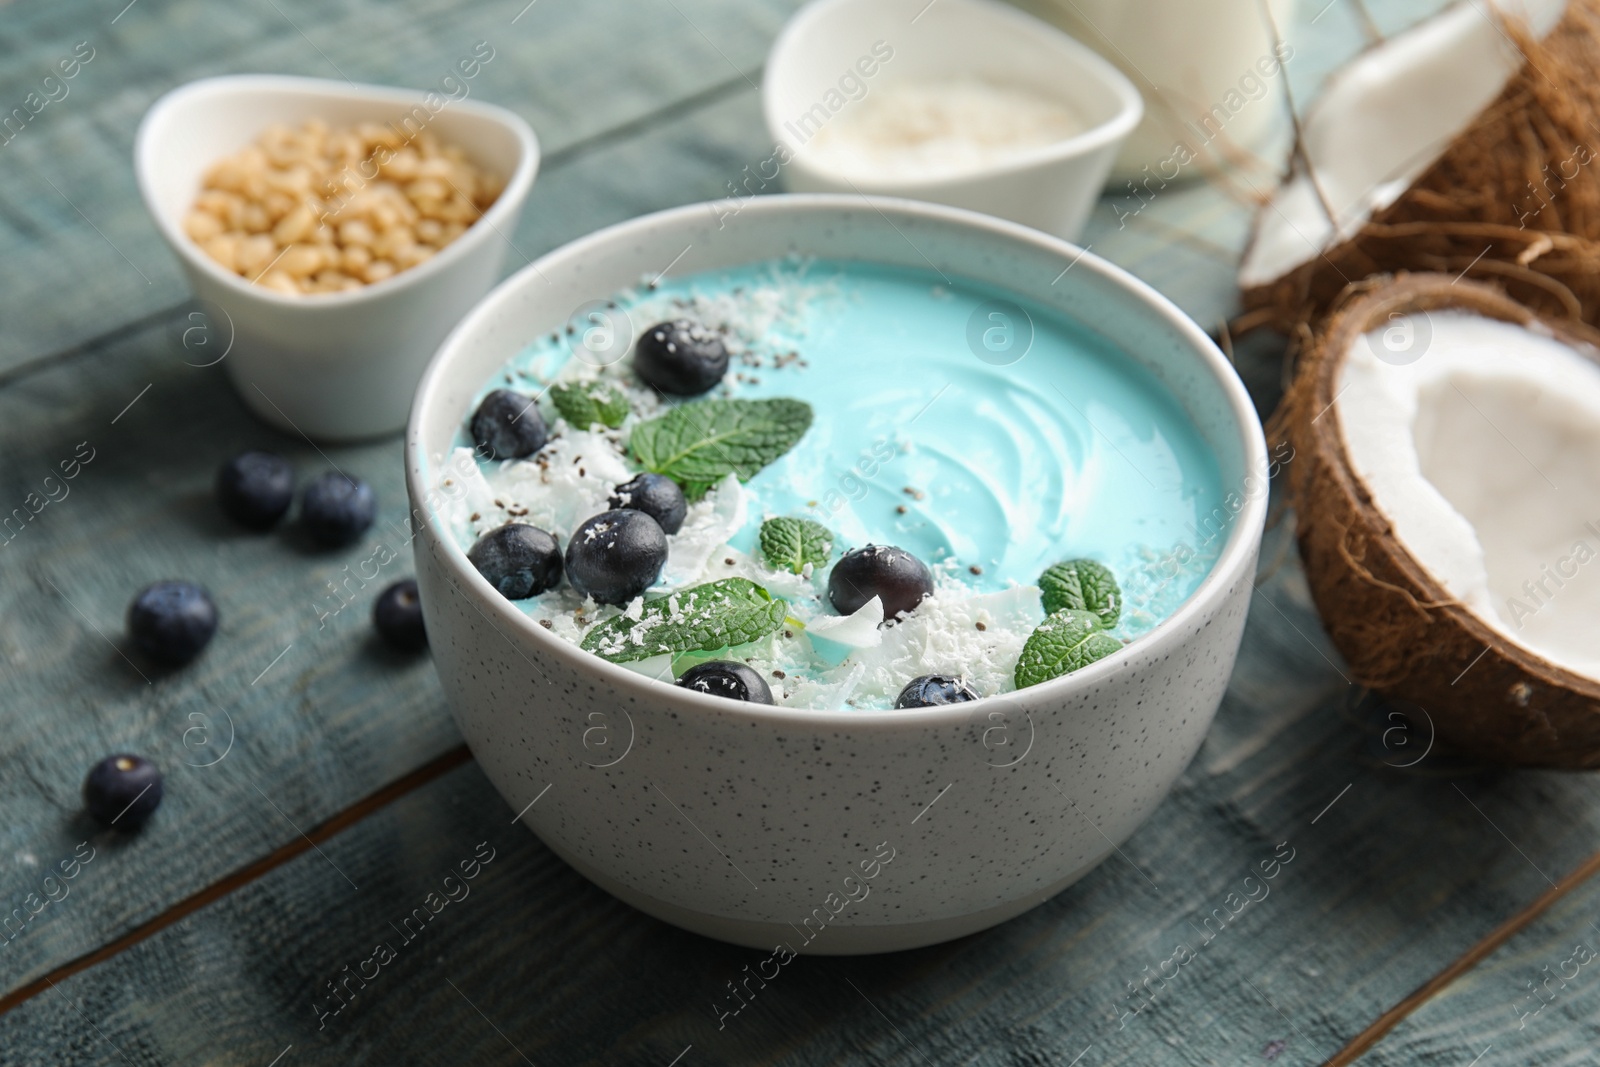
(88, 346)
(331, 827)
(1380, 1027)
(678, 109)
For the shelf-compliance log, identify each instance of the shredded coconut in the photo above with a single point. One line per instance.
(927, 129)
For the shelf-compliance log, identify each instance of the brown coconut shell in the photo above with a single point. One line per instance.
(1514, 198)
(1398, 629)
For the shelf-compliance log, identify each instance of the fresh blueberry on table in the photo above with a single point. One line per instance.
(255, 489)
(900, 579)
(397, 614)
(172, 621)
(507, 425)
(680, 358)
(122, 791)
(934, 690)
(616, 555)
(519, 560)
(723, 678)
(336, 509)
(657, 496)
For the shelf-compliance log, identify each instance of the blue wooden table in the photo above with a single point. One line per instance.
(317, 791)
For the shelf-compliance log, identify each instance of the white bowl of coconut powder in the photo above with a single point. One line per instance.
(963, 102)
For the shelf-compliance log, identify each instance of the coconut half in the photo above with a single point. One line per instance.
(1463, 142)
(1448, 505)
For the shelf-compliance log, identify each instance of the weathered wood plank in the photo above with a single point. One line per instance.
(1191, 272)
(314, 704)
(1391, 874)
(70, 214)
(1533, 1000)
(1392, 877)
(329, 722)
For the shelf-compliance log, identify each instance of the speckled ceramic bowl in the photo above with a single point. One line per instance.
(849, 831)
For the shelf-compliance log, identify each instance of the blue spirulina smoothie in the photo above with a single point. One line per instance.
(986, 469)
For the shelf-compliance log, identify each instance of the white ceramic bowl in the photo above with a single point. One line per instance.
(336, 366)
(1052, 188)
(740, 821)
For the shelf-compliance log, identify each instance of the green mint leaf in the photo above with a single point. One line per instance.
(583, 404)
(1082, 585)
(697, 445)
(1063, 643)
(703, 618)
(789, 544)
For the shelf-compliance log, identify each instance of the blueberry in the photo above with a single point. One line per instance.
(397, 613)
(893, 574)
(122, 791)
(934, 690)
(172, 621)
(616, 555)
(255, 488)
(507, 425)
(657, 496)
(722, 678)
(519, 560)
(336, 509)
(681, 357)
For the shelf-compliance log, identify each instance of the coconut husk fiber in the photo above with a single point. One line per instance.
(1515, 198)
(1398, 629)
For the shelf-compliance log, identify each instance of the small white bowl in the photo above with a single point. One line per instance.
(748, 822)
(1051, 188)
(333, 366)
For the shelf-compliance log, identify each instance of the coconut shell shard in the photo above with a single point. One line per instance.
(1509, 191)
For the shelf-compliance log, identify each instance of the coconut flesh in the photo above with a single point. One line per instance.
(1382, 121)
(1478, 440)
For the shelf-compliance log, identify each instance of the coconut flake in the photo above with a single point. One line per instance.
(706, 529)
(566, 482)
(942, 636)
(833, 637)
(469, 510)
(657, 667)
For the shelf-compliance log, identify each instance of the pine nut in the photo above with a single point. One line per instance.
(356, 258)
(254, 218)
(294, 226)
(411, 255)
(402, 166)
(279, 281)
(224, 248)
(254, 253)
(201, 226)
(312, 209)
(298, 261)
(356, 232)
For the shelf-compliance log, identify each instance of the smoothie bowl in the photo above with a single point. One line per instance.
(845, 576)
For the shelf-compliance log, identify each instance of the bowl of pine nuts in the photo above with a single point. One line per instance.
(334, 233)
